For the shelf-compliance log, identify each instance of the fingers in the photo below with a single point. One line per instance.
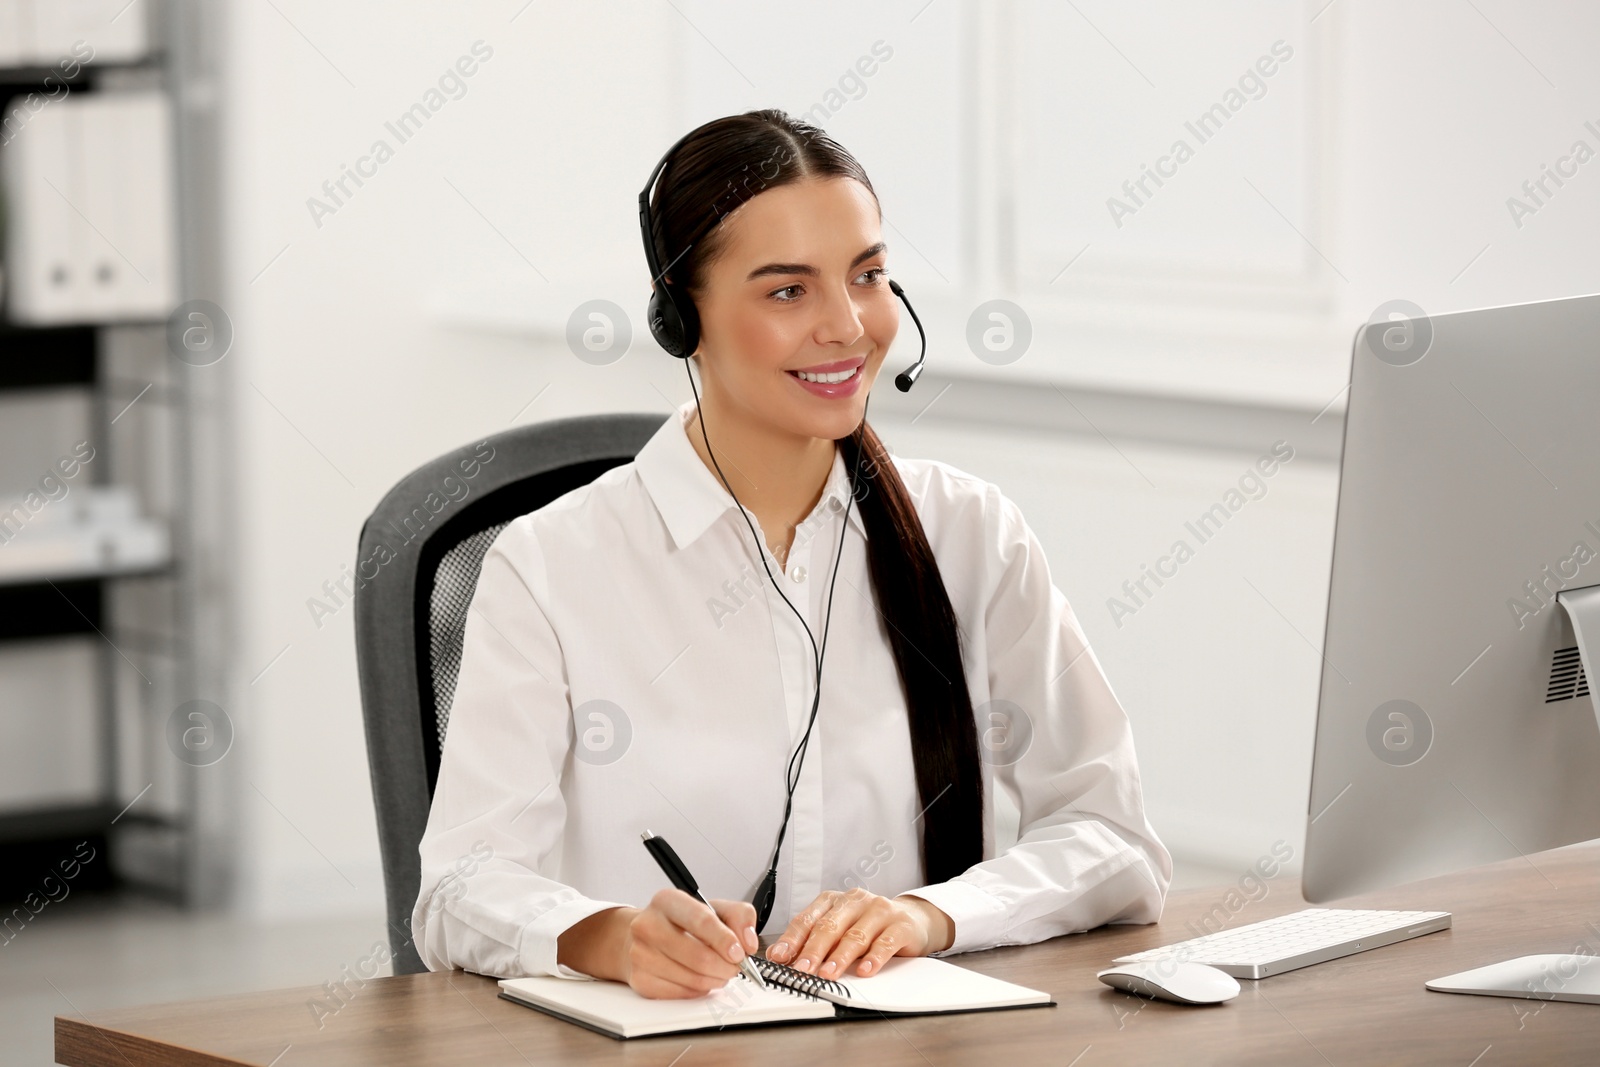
(679, 948)
(649, 984)
(683, 929)
(830, 926)
(838, 929)
(702, 923)
(889, 942)
(873, 921)
(655, 974)
(740, 917)
(794, 935)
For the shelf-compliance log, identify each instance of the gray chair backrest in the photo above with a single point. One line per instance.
(419, 557)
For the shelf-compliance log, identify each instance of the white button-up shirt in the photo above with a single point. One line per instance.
(628, 665)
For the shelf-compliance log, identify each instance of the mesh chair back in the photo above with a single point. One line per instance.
(418, 562)
(454, 581)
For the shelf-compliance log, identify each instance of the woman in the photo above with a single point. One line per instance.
(627, 666)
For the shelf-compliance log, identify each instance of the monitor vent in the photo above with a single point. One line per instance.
(1567, 679)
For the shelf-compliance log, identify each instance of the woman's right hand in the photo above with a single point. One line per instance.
(672, 949)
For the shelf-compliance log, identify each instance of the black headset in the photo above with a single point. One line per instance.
(675, 324)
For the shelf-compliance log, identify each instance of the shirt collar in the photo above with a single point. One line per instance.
(690, 496)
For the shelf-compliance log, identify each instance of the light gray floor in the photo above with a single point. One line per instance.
(107, 951)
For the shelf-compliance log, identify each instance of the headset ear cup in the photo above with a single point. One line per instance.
(665, 325)
(688, 326)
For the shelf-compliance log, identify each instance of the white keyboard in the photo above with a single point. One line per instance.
(1298, 939)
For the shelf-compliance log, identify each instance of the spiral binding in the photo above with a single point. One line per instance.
(794, 981)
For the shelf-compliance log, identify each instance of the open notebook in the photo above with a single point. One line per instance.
(907, 985)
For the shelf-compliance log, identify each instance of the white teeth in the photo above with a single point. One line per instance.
(836, 376)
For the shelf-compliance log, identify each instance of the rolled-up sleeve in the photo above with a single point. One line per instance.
(1060, 744)
(486, 903)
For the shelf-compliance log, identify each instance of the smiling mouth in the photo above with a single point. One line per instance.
(827, 379)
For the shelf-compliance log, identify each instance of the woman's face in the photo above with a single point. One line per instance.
(799, 285)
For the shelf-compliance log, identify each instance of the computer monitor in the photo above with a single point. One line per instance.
(1456, 725)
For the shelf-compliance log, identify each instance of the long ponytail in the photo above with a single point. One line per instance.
(923, 633)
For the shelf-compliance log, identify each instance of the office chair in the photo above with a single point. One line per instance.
(410, 615)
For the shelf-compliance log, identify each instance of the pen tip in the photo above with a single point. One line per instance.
(647, 835)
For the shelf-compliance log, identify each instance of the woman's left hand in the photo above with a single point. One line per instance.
(839, 928)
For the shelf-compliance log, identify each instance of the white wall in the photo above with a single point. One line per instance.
(346, 383)
(357, 357)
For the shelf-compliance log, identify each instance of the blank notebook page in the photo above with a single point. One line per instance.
(615, 1007)
(925, 984)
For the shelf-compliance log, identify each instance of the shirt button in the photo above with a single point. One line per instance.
(798, 574)
(834, 505)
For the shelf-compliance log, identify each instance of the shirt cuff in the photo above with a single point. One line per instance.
(979, 918)
(538, 952)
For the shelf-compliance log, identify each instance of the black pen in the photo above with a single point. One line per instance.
(682, 879)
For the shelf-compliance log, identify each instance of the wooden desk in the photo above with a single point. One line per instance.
(1366, 1008)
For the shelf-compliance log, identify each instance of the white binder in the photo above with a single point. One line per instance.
(90, 234)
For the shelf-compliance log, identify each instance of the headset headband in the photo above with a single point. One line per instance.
(653, 260)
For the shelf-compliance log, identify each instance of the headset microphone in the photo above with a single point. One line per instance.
(908, 377)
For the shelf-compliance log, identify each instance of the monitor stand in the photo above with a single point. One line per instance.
(1573, 976)
(1583, 608)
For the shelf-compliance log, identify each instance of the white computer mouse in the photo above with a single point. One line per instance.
(1174, 980)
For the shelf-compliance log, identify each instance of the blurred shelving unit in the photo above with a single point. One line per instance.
(110, 441)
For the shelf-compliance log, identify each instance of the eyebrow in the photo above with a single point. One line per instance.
(808, 270)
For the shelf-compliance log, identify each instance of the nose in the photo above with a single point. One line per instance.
(840, 319)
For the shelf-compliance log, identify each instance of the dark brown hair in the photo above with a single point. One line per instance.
(719, 167)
